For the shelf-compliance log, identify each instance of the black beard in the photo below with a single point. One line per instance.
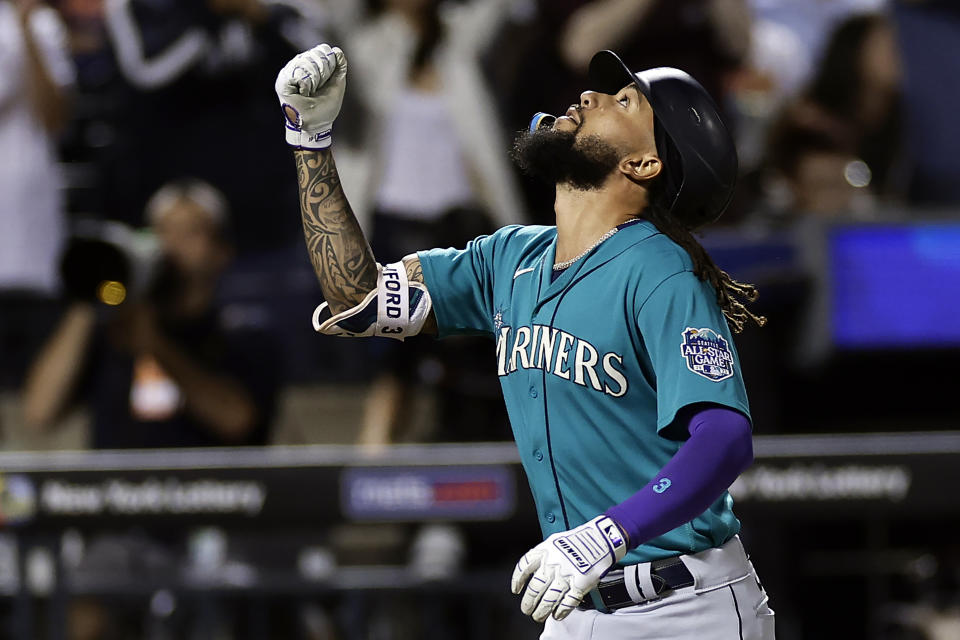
(557, 157)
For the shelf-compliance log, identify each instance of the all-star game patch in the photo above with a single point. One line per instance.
(707, 354)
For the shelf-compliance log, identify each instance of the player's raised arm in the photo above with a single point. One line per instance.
(362, 297)
(339, 252)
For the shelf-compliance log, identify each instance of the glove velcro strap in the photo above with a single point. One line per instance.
(308, 140)
(297, 137)
(614, 536)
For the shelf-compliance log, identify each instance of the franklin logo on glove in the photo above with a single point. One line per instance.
(568, 549)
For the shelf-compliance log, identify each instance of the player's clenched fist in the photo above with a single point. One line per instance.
(310, 88)
(560, 571)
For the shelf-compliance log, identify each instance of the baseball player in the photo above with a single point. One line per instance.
(613, 345)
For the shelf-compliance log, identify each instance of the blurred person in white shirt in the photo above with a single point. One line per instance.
(35, 74)
(435, 175)
(421, 82)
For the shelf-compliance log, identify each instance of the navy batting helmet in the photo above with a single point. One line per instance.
(699, 157)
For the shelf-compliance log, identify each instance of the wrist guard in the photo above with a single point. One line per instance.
(396, 309)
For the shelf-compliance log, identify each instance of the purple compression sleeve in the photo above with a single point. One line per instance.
(719, 449)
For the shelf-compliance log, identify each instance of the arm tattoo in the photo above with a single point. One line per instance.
(413, 267)
(340, 255)
(415, 274)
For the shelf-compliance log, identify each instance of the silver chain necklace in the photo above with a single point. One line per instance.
(560, 266)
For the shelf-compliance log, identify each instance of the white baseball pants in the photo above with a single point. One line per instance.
(726, 602)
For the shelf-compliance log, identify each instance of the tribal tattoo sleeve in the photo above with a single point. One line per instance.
(341, 256)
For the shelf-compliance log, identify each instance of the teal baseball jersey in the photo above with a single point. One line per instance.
(595, 364)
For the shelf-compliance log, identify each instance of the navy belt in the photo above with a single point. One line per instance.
(667, 575)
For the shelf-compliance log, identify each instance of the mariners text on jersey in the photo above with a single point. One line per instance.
(560, 354)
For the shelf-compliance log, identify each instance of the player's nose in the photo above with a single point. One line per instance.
(590, 99)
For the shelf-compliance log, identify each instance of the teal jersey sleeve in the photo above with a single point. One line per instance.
(690, 347)
(460, 282)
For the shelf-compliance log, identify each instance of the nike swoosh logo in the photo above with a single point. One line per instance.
(520, 272)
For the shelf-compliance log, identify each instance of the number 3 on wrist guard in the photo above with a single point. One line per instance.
(396, 309)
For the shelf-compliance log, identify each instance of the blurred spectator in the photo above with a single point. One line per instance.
(172, 369)
(438, 173)
(35, 71)
(84, 19)
(434, 140)
(787, 39)
(707, 38)
(89, 45)
(801, 29)
(930, 39)
(196, 105)
(840, 144)
(704, 37)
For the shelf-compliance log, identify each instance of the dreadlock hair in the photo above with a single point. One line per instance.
(732, 296)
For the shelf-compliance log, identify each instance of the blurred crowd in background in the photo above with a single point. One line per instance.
(154, 286)
(160, 115)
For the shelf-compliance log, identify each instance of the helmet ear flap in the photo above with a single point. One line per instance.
(671, 175)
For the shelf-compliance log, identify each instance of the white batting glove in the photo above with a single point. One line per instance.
(310, 88)
(562, 569)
